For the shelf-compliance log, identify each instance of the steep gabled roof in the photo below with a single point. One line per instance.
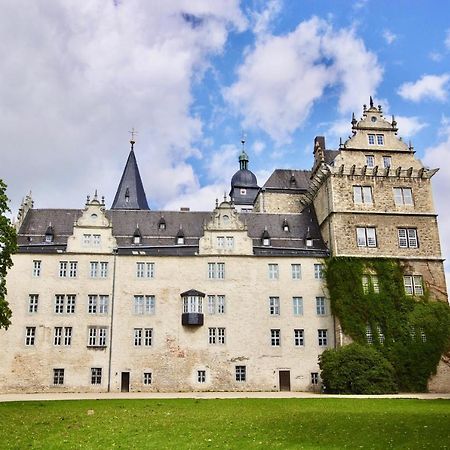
(130, 193)
(282, 179)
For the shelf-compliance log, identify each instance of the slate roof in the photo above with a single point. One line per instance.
(163, 242)
(330, 155)
(288, 180)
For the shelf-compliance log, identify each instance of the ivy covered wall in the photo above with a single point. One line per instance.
(410, 331)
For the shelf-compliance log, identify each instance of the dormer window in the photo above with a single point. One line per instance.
(49, 234)
(127, 195)
(137, 236)
(285, 225)
(265, 238)
(309, 242)
(162, 224)
(180, 237)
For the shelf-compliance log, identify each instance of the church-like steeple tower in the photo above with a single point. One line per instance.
(130, 193)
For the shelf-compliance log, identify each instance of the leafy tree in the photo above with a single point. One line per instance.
(8, 245)
(357, 369)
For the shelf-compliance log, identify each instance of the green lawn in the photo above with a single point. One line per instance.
(231, 423)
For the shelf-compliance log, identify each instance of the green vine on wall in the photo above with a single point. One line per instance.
(411, 332)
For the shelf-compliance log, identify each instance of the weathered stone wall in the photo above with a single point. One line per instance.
(279, 202)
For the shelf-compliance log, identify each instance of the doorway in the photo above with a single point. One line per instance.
(285, 380)
(125, 382)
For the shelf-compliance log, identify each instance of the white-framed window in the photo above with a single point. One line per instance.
(147, 378)
(216, 271)
(407, 238)
(63, 269)
(30, 336)
(273, 272)
(33, 302)
(220, 241)
(99, 269)
(37, 264)
(387, 161)
(143, 337)
(216, 335)
(87, 239)
(380, 139)
(297, 306)
(201, 376)
(145, 270)
(96, 239)
(62, 336)
(366, 237)
(413, 284)
(68, 269)
(315, 378)
(369, 335)
(243, 191)
(362, 194)
(319, 272)
(274, 306)
(96, 375)
(299, 337)
(59, 303)
(296, 270)
(97, 336)
(403, 196)
(58, 377)
(380, 334)
(371, 139)
(423, 336)
(193, 304)
(322, 336)
(320, 306)
(144, 304)
(98, 304)
(216, 304)
(370, 281)
(370, 161)
(73, 269)
(230, 242)
(275, 337)
(241, 373)
(70, 303)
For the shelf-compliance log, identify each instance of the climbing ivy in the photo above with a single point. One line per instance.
(411, 332)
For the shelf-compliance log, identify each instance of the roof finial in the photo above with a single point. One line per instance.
(95, 195)
(224, 196)
(371, 102)
(217, 202)
(353, 122)
(243, 139)
(133, 133)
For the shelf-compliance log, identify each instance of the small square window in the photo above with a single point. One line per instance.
(201, 376)
(241, 373)
(148, 378)
(58, 376)
(96, 375)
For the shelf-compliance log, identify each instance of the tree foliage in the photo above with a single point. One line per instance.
(8, 245)
(411, 332)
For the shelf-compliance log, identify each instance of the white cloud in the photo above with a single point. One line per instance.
(283, 76)
(258, 147)
(76, 76)
(340, 128)
(409, 126)
(389, 36)
(264, 19)
(435, 56)
(428, 86)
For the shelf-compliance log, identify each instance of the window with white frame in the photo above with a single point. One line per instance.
(297, 305)
(70, 303)
(145, 270)
(423, 336)
(403, 196)
(216, 304)
(299, 337)
(413, 284)
(314, 378)
(380, 139)
(296, 270)
(371, 139)
(144, 304)
(407, 238)
(370, 161)
(274, 306)
(193, 304)
(216, 271)
(68, 269)
(37, 264)
(148, 378)
(387, 162)
(96, 239)
(362, 194)
(230, 242)
(322, 336)
(65, 303)
(33, 302)
(320, 306)
(220, 241)
(273, 272)
(87, 239)
(369, 335)
(98, 304)
(319, 271)
(370, 281)
(142, 337)
(58, 376)
(241, 373)
(99, 269)
(62, 336)
(366, 237)
(201, 376)
(216, 336)
(275, 337)
(380, 334)
(97, 336)
(30, 336)
(96, 375)
(59, 303)
(63, 269)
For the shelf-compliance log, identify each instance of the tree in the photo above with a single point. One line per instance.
(8, 245)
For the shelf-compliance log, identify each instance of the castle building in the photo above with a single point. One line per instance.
(129, 299)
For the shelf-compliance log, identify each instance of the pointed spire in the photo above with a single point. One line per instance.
(371, 102)
(354, 122)
(130, 192)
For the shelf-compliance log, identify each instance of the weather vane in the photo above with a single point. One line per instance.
(133, 133)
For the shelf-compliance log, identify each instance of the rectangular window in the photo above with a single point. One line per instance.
(92, 304)
(59, 304)
(137, 337)
(370, 281)
(94, 269)
(407, 238)
(273, 272)
(319, 271)
(413, 284)
(274, 306)
(63, 269)
(62, 336)
(147, 378)
(216, 336)
(241, 373)
(403, 196)
(366, 237)
(362, 194)
(387, 162)
(68, 269)
(145, 270)
(70, 304)
(369, 335)
(220, 304)
(36, 268)
(320, 306)
(216, 270)
(380, 334)
(201, 376)
(144, 304)
(87, 239)
(380, 139)
(371, 139)
(57, 336)
(33, 301)
(103, 269)
(296, 271)
(96, 375)
(148, 337)
(30, 336)
(97, 336)
(322, 337)
(297, 304)
(314, 378)
(275, 337)
(212, 338)
(98, 304)
(230, 242)
(143, 336)
(99, 269)
(220, 241)
(58, 376)
(73, 269)
(216, 304)
(299, 337)
(96, 240)
(370, 161)
(67, 336)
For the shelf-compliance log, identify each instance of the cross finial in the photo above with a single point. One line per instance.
(371, 102)
(133, 133)
(243, 139)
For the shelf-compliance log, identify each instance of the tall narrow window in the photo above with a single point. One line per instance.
(241, 373)
(273, 272)
(296, 271)
(319, 271)
(57, 336)
(275, 337)
(370, 161)
(30, 336)
(322, 337)
(36, 268)
(70, 304)
(274, 306)
(371, 139)
(147, 378)
(380, 139)
(33, 301)
(297, 304)
(369, 335)
(320, 306)
(58, 376)
(299, 337)
(201, 376)
(59, 304)
(387, 162)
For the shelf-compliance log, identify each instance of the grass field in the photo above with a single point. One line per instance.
(231, 423)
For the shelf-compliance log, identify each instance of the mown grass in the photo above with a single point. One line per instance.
(230, 423)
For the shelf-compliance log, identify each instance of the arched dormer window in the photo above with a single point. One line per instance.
(265, 238)
(162, 224)
(308, 239)
(285, 225)
(137, 236)
(180, 237)
(49, 234)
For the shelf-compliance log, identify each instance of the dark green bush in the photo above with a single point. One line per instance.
(357, 369)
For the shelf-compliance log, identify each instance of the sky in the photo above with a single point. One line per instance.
(194, 76)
